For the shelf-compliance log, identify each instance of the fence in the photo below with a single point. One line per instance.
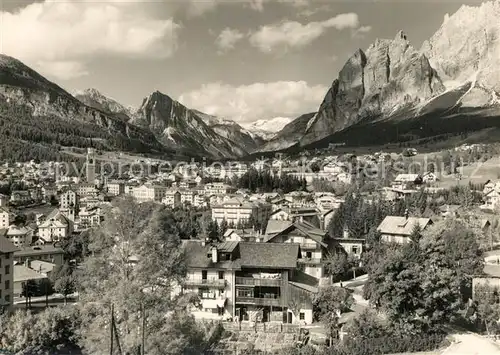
(261, 327)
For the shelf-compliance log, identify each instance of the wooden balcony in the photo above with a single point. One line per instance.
(219, 283)
(251, 281)
(275, 302)
(309, 261)
(308, 246)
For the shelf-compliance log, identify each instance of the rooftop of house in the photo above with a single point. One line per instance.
(38, 250)
(6, 246)
(55, 218)
(449, 208)
(244, 255)
(23, 273)
(275, 226)
(41, 266)
(18, 230)
(304, 228)
(243, 232)
(397, 225)
(304, 281)
(407, 177)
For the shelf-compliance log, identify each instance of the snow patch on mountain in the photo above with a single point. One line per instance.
(272, 125)
(94, 98)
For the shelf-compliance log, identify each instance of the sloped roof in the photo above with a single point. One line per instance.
(59, 220)
(42, 266)
(197, 256)
(401, 225)
(245, 254)
(23, 273)
(227, 247)
(276, 226)
(15, 230)
(407, 177)
(305, 228)
(38, 250)
(6, 246)
(304, 281)
(264, 255)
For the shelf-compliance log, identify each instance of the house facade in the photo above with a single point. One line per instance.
(249, 282)
(148, 192)
(237, 210)
(5, 218)
(68, 199)
(7, 250)
(396, 229)
(115, 188)
(47, 252)
(406, 181)
(313, 246)
(55, 227)
(354, 247)
(4, 200)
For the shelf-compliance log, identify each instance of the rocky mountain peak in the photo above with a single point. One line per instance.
(467, 47)
(94, 98)
(401, 36)
(389, 76)
(157, 98)
(93, 92)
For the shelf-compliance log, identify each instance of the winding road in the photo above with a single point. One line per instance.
(472, 344)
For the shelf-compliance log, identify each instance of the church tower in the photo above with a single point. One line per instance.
(90, 166)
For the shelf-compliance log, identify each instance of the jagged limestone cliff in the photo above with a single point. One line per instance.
(390, 76)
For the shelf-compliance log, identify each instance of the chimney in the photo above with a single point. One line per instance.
(406, 214)
(27, 263)
(345, 232)
(215, 257)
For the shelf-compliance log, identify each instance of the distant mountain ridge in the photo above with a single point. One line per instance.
(33, 109)
(160, 125)
(94, 98)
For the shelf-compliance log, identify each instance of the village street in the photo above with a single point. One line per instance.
(471, 344)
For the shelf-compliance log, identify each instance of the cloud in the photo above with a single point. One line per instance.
(64, 70)
(228, 38)
(296, 34)
(60, 38)
(360, 32)
(198, 8)
(248, 103)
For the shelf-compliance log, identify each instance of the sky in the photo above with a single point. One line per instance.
(239, 59)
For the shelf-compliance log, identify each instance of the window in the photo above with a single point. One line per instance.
(302, 316)
(204, 274)
(221, 275)
(355, 250)
(244, 292)
(7, 284)
(308, 255)
(7, 256)
(7, 269)
(7, 298)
